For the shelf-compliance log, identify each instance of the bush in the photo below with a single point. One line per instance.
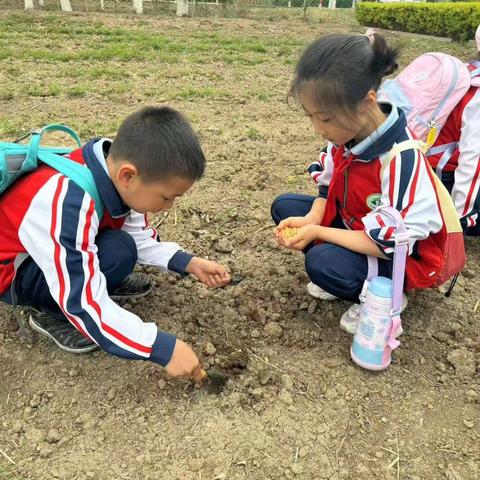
(455, 20)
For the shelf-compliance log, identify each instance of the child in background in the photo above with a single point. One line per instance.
(59, 258)
(455, 154)
(336, 81)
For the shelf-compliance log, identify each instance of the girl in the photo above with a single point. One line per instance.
(335, 82)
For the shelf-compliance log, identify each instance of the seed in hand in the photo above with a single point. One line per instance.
(289, 232)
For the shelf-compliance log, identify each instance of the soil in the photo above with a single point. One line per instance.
(294, 405)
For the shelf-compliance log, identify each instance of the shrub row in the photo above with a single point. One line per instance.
(457, 20)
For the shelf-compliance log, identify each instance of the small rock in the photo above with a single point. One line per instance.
(273, 330)
(17, 426)
(34, 435)
(223, 246)
(379, 454)
(472, 395)
(257, 394)
(53, 436)
(45, 450)
(111, 394)
(467, 273)
(162, 384)
(264, 376)
(286, 381)
(303, 306)
(296, 468)
(312, 307)
(286, 397)
(255, 333)
(209, 348)
(463, 361)
(469, 423)
(303, 452)
(384, 419)
(331, 394)
(35, 401)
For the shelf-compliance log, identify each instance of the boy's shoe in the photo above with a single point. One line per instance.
(61, 331)
(316, 292)
(349, 319)
(136, 285)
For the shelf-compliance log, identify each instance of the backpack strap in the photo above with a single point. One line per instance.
(76, 172)
(37, 136)
(79, 174)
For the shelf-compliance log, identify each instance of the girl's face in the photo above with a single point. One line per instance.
(339, 129)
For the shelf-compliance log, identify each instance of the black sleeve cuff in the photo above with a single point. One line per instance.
(323, 191)
(178, 263)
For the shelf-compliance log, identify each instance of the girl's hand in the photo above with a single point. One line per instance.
(290, 222)
(305, 235)
(210, 273)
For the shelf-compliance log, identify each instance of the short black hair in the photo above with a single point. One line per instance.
(161, 143)
(342, 69)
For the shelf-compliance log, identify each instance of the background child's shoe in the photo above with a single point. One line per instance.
(349, 319)
(136, 285)
(61, 331)
(316, 292)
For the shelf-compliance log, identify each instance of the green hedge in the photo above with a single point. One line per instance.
(455, 20)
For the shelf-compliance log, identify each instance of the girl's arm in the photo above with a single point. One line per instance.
(354, 240)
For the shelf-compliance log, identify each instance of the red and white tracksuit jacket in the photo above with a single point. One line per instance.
(353, 184)
(47, 216)
(457, 151)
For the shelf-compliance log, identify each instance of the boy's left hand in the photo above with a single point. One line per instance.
(210, 273)
(305, 235)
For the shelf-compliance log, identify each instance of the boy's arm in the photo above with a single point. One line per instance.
(466, 189)
(151, 251)
(58, 231)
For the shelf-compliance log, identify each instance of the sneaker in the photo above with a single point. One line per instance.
(349, 319)
(136, 285)
(316, 292)
(61, 331)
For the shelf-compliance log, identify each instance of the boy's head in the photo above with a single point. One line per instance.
(154, 158)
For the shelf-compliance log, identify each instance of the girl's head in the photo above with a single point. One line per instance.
(336, 80)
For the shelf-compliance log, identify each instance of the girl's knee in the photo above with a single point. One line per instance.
(277, 210)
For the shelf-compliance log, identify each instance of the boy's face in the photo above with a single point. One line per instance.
(147, 196)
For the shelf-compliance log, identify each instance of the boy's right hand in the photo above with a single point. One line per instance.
(184, 363)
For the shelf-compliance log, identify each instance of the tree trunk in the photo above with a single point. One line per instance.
(182, 8)
(102, 5)
(138, 6)
(29, 5)
(65, 6)
(41, 3)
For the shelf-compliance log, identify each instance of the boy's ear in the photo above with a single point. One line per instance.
(126, 173)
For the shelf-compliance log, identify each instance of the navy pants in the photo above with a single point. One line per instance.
(335, 269)
(117, 255)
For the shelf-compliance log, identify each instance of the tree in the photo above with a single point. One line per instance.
(138, 6)
(182, 8)
(29, 5)
(65, 6)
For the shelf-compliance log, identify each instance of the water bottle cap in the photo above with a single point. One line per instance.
(381, 287)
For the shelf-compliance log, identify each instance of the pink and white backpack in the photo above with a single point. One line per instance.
(429, 88)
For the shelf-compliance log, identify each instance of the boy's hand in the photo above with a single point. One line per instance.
(184, 363)
(304, 236)
(210, 273)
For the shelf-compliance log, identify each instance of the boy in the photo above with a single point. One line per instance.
(59, 258)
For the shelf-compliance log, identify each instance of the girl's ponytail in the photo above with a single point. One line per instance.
(384, 61)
